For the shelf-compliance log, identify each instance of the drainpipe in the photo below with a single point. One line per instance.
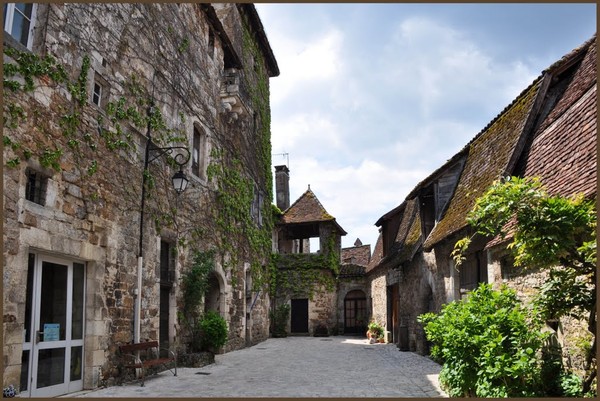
(138, 290)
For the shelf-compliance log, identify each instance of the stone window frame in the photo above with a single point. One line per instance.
(36, 185)
(256, 207)
(211, 43)
(9, 18)
(98, 72)
(200, 151)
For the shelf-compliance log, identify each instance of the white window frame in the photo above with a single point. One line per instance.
(97, 94)
(9, 20)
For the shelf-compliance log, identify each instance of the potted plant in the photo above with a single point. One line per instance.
(375, 332)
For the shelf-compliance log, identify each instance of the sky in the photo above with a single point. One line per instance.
(373, 98)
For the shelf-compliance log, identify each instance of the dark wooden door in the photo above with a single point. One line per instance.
(299, 314)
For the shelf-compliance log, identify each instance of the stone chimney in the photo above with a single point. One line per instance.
(282, 187)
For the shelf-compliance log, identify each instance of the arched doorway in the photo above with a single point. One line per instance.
(355, 312)
(212, 301)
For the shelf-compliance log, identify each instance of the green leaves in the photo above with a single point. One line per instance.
(550, 232)
(487, 345)
(213, 330)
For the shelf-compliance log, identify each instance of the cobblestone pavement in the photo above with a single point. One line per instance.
(335, 366)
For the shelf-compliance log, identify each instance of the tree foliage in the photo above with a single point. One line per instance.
(551, 232)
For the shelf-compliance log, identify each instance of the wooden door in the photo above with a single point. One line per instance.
(299, 317)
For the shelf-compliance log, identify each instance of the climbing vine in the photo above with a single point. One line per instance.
(306, 273)
(241, 233)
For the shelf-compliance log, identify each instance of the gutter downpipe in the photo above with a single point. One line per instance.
(138, 289)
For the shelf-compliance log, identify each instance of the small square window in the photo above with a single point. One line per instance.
(99, 91)
(35, 188)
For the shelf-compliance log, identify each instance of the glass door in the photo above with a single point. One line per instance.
(55, 343)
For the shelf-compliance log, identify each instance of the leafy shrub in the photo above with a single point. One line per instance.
(571, 385)
(487, 346)
(213, 330)
(279, 317)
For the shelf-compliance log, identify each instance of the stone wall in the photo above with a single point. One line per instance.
(377, 295)
(91, 212)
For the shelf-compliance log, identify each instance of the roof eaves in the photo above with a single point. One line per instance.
(216, 24)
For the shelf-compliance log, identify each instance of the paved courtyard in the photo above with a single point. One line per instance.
(335, 366)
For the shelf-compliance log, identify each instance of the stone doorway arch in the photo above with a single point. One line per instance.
(215, 295)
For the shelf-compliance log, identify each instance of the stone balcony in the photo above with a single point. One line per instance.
(234, 97)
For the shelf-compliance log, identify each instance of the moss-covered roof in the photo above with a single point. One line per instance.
(490, 154)
(405, 242)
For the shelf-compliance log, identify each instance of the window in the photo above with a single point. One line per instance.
(211, 43)
(18, 22)
(196, 153)
(97, 94)
(100, 90)
(256, 207)
(167, 264)
(199, 152)
(473, 271)
(35, 188)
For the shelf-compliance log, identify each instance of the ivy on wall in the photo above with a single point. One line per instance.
(306, 273)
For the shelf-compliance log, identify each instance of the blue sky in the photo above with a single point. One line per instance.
(372, 98)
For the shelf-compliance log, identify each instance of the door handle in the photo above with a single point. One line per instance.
(37, 336)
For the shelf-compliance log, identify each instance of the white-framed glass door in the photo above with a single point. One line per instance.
(53, 338)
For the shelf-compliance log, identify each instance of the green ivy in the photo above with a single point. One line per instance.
(30, 66)
(194, 285)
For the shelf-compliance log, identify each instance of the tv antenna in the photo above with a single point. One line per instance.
(286, 155)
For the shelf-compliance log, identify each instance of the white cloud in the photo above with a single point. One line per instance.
(364, 125)
(355, 196)
(305, 62)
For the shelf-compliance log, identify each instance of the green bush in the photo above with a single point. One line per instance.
(487, 345)
(213, 331)
(571, 385)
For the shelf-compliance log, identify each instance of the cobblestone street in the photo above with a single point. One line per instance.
(335, 366)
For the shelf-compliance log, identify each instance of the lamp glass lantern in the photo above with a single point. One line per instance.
(180, 181)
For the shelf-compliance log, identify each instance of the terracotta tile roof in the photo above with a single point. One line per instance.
(490, 154)
(563, 149)
(308, 209)
(357, 255)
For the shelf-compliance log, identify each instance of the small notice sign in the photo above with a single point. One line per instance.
(51, 331)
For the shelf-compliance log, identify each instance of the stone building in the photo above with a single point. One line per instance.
(548, 131)
(325, 287)
(103, 104)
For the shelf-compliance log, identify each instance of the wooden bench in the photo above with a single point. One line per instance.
(146, 355)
